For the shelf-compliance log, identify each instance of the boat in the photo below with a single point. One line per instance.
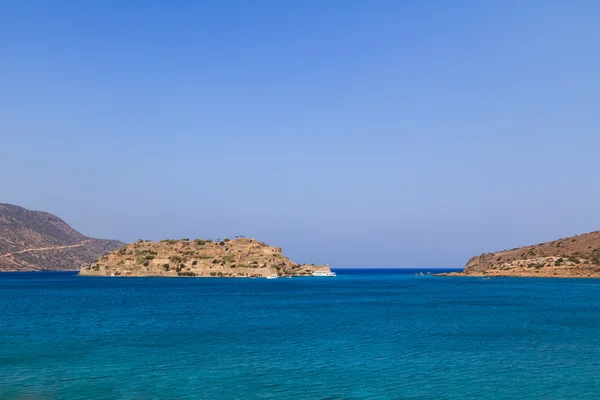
(272, 276)
(323, 273)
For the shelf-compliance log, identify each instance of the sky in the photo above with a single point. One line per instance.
(351, 133)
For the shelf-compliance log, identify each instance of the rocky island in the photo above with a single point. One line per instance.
(572, 257)
(236, 258)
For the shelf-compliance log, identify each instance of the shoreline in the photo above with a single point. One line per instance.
(461, 274)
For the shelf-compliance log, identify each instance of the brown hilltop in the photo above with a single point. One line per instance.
(242, 257)
(572, 257)
(36, 240)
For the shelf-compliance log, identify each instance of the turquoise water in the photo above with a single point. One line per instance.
(363, 335)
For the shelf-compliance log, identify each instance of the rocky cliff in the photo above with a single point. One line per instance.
(203, 258)
(573, 257)
(35, 240)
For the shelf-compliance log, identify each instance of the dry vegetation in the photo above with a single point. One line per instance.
(577, 256)
(241, 257)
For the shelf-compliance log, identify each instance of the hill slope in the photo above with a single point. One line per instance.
(577, 256)
(229, 258)
(35, 240)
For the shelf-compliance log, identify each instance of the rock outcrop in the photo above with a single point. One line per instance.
(573, 257)
(241, 258)
(36, 240)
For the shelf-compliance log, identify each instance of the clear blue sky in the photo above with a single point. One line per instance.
(355, 133)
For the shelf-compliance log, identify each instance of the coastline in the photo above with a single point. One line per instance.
(502, 274)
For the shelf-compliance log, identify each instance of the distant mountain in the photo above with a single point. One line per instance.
(572, 257)
(35, 241)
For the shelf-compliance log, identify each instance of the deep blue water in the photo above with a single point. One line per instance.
(362, 335)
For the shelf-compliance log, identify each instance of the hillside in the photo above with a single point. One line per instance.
(35, 240)
(203, 258)
(573, 257)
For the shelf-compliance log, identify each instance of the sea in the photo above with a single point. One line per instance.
(365, 334)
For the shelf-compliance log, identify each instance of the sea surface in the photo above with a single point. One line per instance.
(366, 334)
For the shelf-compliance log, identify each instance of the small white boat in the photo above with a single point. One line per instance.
(272, 276)
(323, 273)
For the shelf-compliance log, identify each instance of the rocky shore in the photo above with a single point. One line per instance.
(572, 257)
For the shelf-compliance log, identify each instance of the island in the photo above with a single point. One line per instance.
(572, 257)
(231, 258)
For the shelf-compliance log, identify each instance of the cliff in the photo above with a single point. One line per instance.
(573, 257)
(203, 258)
(36, 240)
